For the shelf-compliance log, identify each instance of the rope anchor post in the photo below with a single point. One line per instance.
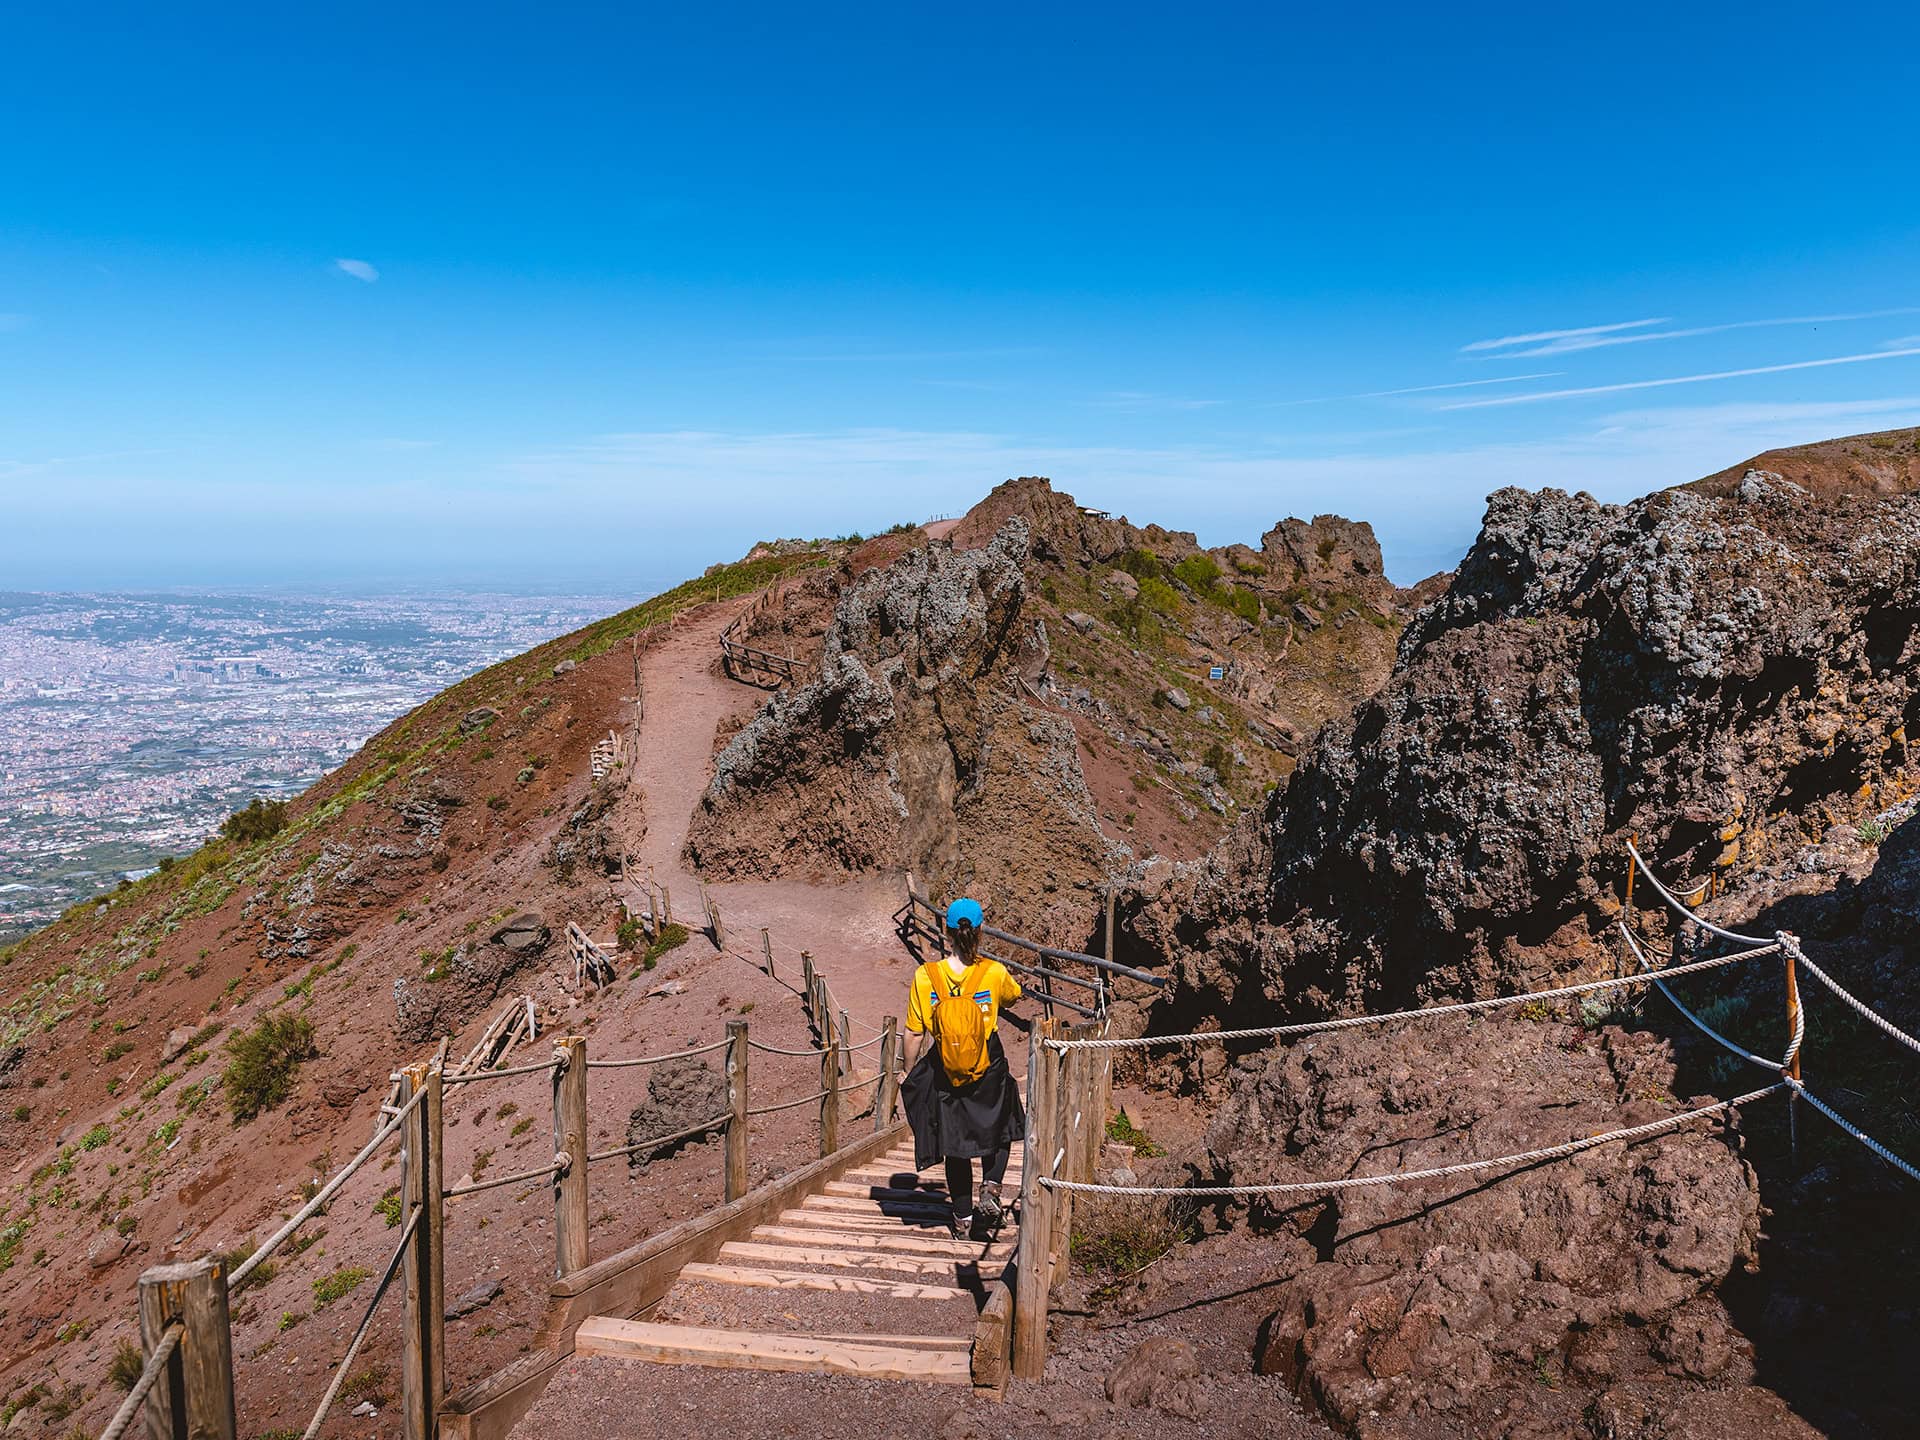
(191, 1393)
(423, 1343)
(737, 1106)
(1796, 1021)
(570, 1140)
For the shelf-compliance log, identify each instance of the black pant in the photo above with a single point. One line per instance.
(993, 1169)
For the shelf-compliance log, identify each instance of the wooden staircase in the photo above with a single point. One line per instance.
(860, 1278)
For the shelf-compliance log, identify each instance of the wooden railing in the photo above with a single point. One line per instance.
(187, 1392)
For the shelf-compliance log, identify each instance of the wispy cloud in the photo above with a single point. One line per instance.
(1144, 400)
(1571, 343)
(1539, 335)
(1900, 342)
(1426, 389)
(1538, 395)
(358, 269)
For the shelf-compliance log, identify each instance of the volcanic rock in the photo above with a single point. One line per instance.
(680, 1095)
(525, 934)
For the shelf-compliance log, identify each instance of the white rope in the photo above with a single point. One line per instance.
(1854, 1130)
(776, 1050)
(558, 1165)
(324, 1194)
(658, 1059)
(149, 1376)
(1675, 901)
(814, 1098)
(1698, 1024)
(1855, 1002)
(655, 1142)
(360, 1335)
(1462, 1008)
(473, 1075)
(1316, 1187)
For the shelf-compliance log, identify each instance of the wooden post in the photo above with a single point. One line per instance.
(1033, 1279)
(830, 1083)
(766, 949)
(1070, 1121)
(570, 1139)
(194, 1395)
(806, 983)
(666, 906)
(719, 930)
(1793, 1067)
(423, 1380)
(737, 1053)
(843, 1060)
(887, 1091)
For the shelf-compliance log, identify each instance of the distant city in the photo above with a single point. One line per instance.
(131, 725)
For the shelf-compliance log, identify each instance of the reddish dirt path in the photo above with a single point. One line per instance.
(843, 921)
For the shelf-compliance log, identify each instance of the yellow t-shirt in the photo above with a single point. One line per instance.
(934, 981)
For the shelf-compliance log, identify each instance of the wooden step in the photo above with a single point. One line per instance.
(931, 1177)
(895, 1244)
(853, 1221)
(853, 1205)
(836, 1258)
(749, 1350)
(760, 1278)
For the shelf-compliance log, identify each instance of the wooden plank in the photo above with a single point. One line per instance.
(742, 1350)
(991, 1337)
(840, 1258)
(855, 1223)
(206, 1353)
(636, 1278)
(932, 1208)
(759, 1277)
(898, 1244)
(490, 1409)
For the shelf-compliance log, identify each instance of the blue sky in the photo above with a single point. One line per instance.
(589, 297)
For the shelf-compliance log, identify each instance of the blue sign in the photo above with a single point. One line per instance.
(1217, 672)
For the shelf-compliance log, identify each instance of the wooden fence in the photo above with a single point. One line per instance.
(186, 1391)
(748, 663)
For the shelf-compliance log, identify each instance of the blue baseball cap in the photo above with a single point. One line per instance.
(964, 912)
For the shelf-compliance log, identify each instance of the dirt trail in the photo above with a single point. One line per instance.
(843, 922)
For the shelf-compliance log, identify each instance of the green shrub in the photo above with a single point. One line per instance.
(95, 1138)
(1199, 573)
(344, 1281)
(124, 1370)
(387, 1207)
(1159, 597)
(672, 936)
(262, 1062)
(1122, 1131)
(261, 820)
(1123, 1234)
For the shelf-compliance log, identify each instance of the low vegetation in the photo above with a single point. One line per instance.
(261, 820)
(262, 1062)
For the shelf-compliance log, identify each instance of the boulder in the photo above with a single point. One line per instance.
(478, 719)
(680, 1094)
(1176, 697)
(1160, 1372)
(565, 667)
(1081, 621)
(525, 934)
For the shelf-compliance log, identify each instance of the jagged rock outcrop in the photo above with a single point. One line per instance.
(1460, 1300)
(914, 747)
(1727, 677)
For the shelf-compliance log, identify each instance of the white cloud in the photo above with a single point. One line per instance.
(358, 269)
(1426, 389)
(1505, 340)
(1144, 400)
(1539, 395)
(1571, 343)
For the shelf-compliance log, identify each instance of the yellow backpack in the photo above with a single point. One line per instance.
(961, 1025)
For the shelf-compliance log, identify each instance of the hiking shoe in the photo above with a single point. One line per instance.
(962, 1227)
(992, 1212)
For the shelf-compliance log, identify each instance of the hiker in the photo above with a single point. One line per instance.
(959, 1094)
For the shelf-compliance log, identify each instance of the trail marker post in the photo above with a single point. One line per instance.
(887, 1091)
(423, 1346)
(193, 1396)
(570, 1152)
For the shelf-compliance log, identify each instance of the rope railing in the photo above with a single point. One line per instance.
(654, 1142)
(150, 1373)
(1464, 1007)
(323, 1194)
(1788, 1066)
(812, 1099)
(555, 1166)
(658, 1059)
(473, 1075)
(360, 1333)
(1438, 1172)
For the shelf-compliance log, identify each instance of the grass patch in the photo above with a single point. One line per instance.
(1122, 1131)
(344, 1281)
(1120, 1235)
(262, 1062)
(123, 1371)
